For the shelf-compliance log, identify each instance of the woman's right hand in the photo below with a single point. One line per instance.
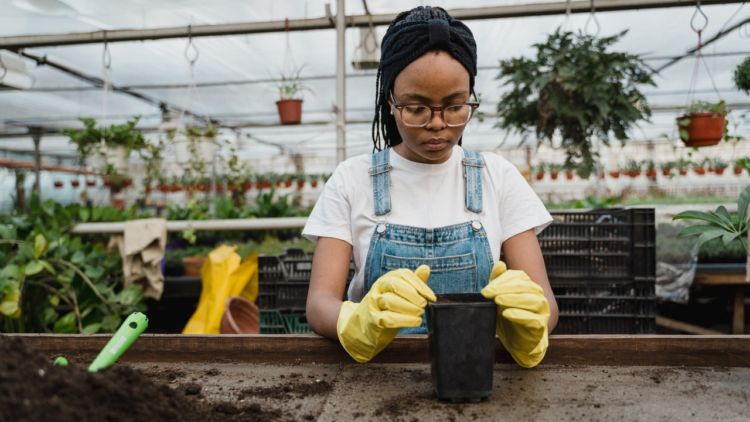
(396, 300)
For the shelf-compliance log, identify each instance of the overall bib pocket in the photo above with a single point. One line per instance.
(448, 274)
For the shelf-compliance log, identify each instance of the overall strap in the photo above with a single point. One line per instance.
(473, 164)
(379, 172)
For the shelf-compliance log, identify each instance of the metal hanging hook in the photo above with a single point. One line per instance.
(191, 50)
(592, 18)
(698, 15)
(106, 54)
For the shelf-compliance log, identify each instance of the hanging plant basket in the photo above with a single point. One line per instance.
(91, 183)
(290, 111)
(58, 184)
(75, 183)
(615, 174)
(569, 174)
(701, 129)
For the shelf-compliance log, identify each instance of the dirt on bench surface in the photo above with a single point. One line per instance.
(32, 389)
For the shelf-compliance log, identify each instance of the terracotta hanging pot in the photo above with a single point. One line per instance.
(290, 111)
(737, 170)
(615, 174)
(703, 129)
(75, 183)
(569, 174)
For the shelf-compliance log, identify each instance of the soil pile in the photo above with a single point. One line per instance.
(32, 389)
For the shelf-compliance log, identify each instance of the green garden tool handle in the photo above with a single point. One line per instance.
(125, 336)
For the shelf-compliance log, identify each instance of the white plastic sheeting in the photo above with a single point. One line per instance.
(150, 65)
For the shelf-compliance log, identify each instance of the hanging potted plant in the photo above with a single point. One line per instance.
(300, 181)
(58, 184)
(742, 76)
(703, 124)
(615, 174)
(568, 167)
(576, 90)
(289, 104)
(75, 183)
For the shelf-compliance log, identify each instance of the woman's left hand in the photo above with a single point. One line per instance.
(522, 314)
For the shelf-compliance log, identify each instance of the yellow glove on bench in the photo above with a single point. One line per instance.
(396, 300)
(522, 314)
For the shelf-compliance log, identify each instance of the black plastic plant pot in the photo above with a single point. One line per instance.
(462, 346)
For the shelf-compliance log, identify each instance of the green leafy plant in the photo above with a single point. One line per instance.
(742, 76)
(98, 139)
(577, 88)
(52, 281)
(720, 223)
(290, 85)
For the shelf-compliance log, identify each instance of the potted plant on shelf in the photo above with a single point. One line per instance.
(683, 166)
(666, 168)
(554, 170)
(577, 90)
(703, 124)
(719, 166)
(633, 168)
(742, 76)
(538, 171)
(699, 168)
(289, 104)
(741, 164)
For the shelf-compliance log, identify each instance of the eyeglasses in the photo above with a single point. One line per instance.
(420, 115)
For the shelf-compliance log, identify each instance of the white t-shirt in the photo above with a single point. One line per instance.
(426, 196)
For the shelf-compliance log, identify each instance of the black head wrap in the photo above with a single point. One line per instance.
(408, 37)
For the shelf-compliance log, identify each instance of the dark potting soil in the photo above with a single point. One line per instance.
(32, 389)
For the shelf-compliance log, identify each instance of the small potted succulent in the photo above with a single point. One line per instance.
(703, 124)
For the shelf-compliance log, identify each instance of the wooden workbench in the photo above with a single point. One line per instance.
(592, 377)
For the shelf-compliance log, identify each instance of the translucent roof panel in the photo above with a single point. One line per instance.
(234, 77)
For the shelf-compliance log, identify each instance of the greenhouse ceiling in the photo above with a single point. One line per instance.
(234, 79)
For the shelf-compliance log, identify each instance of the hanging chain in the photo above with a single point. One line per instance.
(592, 18)
(567, 14)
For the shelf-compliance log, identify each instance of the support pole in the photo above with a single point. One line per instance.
(36, 136)
(340, 82)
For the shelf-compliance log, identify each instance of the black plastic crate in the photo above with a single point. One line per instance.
(600, 244)
(602, 269)
(285, 279)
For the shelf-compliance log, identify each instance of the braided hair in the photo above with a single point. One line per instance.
(409, 36)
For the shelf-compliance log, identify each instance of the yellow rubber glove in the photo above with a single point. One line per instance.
(522, 314)
(396, 300)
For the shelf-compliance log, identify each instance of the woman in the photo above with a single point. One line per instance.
(423, 216)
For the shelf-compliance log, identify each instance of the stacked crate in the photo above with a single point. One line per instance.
(602, 268)
(601, 265)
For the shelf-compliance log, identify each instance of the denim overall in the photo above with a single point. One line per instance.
(459, 255)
